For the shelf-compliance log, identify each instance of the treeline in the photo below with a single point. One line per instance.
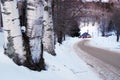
(64, 19)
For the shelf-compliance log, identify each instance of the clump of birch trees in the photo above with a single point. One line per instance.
(28, 31)
(33, 26)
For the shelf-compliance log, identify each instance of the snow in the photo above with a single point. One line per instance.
(108, 43)
(97, 40)
(65, 66)
(90, 28)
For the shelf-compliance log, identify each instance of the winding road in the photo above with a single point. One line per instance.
(109, 58)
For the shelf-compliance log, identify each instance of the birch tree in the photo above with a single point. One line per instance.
(33, 35)
(48, 39)
(35, 27)
(0, 18)
(25, 47)
(12, 33)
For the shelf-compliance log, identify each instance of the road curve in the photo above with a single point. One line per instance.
(108, 57)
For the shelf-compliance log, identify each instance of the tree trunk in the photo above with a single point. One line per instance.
(35, 27)
(22, 11)
(118, 35)
(12, 32)
(1, 25)
(48, 39)
(35, 33)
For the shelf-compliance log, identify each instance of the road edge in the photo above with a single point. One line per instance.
(103, 70)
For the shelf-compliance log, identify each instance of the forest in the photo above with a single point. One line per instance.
(33, 26)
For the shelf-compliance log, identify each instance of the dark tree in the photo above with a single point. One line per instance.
(64, 18)
(116, 22)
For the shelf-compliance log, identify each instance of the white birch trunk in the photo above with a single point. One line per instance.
(0, 17)
(48, 39)
(35, 27)
(12, 32)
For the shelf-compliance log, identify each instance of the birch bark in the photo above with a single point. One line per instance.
(48, 39)
(35, 27)
(12, 32)
(0, 17)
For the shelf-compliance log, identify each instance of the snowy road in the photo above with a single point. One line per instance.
(107, 61)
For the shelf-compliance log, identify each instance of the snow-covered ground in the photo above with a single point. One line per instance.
(65, 66)
(108, 43)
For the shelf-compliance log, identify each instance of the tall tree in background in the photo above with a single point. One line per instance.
(64, 13)
(116, 22)
(59, 20)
